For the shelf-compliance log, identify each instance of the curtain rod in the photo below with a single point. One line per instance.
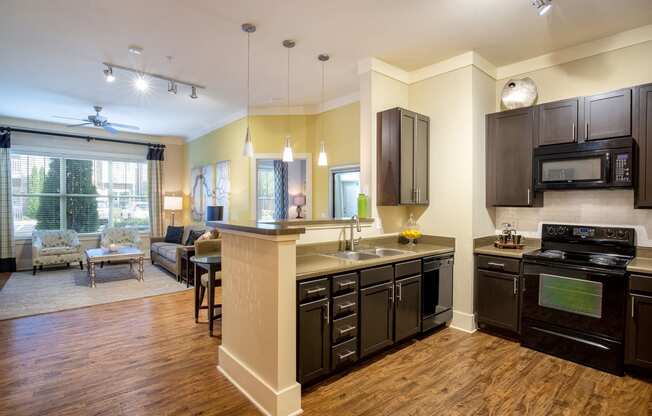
(75, 136)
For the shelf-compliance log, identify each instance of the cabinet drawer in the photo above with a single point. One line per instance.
(408, 268)
(345, 328)
(345, 305)
(376, 275)
(313, 290)
(344, 354)
(502, 264)
(345, 283)
(640, 283)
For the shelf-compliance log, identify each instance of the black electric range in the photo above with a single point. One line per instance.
(574, 294)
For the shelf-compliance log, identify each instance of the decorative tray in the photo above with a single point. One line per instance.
(513, 246)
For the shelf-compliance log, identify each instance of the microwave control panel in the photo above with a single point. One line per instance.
(623, 168)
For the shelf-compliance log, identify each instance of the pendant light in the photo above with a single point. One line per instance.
(288, 155)
(248, 150)
(322, 160)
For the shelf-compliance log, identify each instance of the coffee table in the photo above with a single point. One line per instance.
(99, 255)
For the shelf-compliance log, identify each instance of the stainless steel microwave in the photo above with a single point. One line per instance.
(587, 165)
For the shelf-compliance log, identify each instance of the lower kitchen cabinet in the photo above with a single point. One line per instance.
(497, 295)
(407, 307)
(376, 318)
(314, 340)
(638, 344)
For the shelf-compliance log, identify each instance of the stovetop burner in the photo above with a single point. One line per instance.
(588, 259)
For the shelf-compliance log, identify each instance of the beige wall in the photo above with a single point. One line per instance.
(340, 134)
(608, 71)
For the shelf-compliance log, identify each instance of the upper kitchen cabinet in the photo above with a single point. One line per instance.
(558, 121)
(608, 115)
(511, 136)
(403, 152)
(644, 140)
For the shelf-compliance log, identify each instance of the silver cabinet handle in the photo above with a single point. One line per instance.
(529, 196)
(586, 130)
(515, 285)
(343, 331)
(313, 291)
(391, 297)
(573, 131)
(346, 284)
(498, 265)
(345, 305)
(633, 306)
(346, 355)
(399, 295)
(327, 318)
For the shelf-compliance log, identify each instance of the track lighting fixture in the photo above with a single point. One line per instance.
(542, 6)
(193, 93)
(140, 83)
(172, 87)
(248, 150)
(108, 74)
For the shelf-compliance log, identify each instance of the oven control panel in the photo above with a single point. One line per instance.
(580, 233)
(623, 168)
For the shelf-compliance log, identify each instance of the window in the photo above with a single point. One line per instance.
(52, 193)
(265, 195)
(345, 188)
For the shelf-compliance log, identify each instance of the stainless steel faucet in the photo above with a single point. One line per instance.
(353, 242)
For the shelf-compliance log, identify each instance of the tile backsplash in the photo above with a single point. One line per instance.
(589, 207)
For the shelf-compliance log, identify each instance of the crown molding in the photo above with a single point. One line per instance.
(584, 50)
(382, 67)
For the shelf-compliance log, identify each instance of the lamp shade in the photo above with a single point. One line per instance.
(299, 200)
(214, 213)
(172, 203)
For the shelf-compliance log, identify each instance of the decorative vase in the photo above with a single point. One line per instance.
(411, 231)
(518, 93)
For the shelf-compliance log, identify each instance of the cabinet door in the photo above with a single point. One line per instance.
(644, 140)
(407, 307)
(388, 143)
(421, 157)
(408, 133)
(639, 331)
(498, 299)
(558, 122)
(376, 318)
(314, 341)
(608, 115)
(510, 140)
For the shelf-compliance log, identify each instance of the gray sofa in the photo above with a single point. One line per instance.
(168, 255)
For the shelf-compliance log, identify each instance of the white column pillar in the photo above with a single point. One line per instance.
(258, 351)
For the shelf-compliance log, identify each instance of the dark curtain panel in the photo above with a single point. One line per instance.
(280, 190)
(7, 249)
(155, 153)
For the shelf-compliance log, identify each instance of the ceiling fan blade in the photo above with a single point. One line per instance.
(71, 118)
(124, 126)
(78, 125)
(110, 129)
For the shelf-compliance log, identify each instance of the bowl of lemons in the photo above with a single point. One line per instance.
(411, 231)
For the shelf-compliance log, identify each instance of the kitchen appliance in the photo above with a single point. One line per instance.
(574, 294)
(590, 164)
(437, 291)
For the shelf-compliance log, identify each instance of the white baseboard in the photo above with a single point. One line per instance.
(463, 321)
(270, 402)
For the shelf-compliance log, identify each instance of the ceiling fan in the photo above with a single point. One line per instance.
(98, 121)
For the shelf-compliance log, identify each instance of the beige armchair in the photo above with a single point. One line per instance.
(121, 237)
(56, 247)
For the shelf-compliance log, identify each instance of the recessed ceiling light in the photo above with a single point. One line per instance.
(141, 84)
(542, 6)
(136, 50)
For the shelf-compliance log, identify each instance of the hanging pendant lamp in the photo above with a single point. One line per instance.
(288, 155)
(322, 160)
(248, 150)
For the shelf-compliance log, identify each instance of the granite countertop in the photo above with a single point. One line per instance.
(489, 249)
(258, 227)
(640, 265)
(319, 264)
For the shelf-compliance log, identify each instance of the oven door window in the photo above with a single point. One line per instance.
(581, 297)
(573, 170)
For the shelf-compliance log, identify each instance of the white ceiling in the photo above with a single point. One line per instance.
(51, 50)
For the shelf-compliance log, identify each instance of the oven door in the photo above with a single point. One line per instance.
(579, 298)
(572, 170)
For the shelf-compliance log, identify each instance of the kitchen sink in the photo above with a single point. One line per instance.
(354, 255)
(385, 252)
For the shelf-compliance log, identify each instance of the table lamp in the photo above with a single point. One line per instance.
(299, 200)
(172, 203)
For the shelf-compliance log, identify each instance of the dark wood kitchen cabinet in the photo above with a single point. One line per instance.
(314, 340)
(376, 318)
(407, 307)
(608, 115)
(510, 139)
(644, 142)
(402, 157)
(497, 294)
(559, 122)
(638, 344)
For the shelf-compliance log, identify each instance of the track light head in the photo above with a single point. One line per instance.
(193, 92)
(172, 87)
(108, 74)
(141, 83)
(542, 6)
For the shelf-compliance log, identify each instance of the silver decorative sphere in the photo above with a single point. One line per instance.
(518, 93)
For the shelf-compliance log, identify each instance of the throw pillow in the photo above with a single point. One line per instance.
(174, 235)
(193, 236)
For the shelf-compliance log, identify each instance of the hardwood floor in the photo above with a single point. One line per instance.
(148, 357)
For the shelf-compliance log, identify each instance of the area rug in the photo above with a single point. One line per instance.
(58, 290)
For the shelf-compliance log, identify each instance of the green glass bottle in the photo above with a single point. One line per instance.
(363, 206)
